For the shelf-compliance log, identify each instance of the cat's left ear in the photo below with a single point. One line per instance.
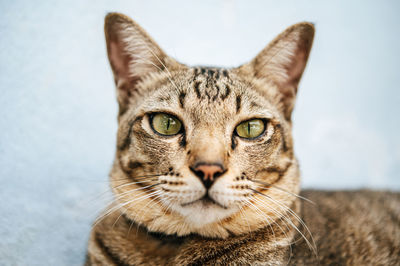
(282, 62)
(133, 56)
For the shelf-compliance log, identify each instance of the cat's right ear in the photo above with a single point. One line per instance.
(133, 55)
(282, 62)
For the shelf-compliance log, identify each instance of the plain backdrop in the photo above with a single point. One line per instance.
(58, 108)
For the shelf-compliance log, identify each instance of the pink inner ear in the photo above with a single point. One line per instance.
(295, 69)
(119, 61)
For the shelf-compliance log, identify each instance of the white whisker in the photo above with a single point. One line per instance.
(119, 206)
(312, 245)
(268, 185)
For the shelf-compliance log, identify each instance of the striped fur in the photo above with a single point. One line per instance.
(164, 215)
(363, 232)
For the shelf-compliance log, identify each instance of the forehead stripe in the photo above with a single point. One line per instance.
(227, 91)
(182, 96)
(238, 103)
(216, 94)
(196, 89)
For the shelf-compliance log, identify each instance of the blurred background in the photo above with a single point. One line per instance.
(58, 107)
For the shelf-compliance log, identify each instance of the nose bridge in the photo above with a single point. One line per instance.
(208, 147)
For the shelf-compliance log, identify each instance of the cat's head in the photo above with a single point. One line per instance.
(203, 149)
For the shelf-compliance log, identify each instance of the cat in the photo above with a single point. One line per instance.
(205, 172)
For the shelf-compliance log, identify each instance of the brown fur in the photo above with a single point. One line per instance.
(162, 213)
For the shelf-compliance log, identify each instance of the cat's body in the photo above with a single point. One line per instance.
(349, 228)
(205, 171)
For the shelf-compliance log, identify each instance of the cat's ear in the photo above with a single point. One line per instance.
(283, 61)
(133, 55)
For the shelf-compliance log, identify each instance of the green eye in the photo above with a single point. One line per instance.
(250, 129)
(166, 124)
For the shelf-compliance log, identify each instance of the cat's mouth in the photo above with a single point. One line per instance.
(206, 201)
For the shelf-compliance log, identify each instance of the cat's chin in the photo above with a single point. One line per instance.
(204, 211)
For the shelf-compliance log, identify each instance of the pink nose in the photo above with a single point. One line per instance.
(208, 173)
(209, 170)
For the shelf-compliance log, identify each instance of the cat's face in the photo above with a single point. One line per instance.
(204, 150)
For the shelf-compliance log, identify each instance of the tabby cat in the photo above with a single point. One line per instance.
(205, 172)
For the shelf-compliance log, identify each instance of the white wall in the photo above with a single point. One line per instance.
(58, 109)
